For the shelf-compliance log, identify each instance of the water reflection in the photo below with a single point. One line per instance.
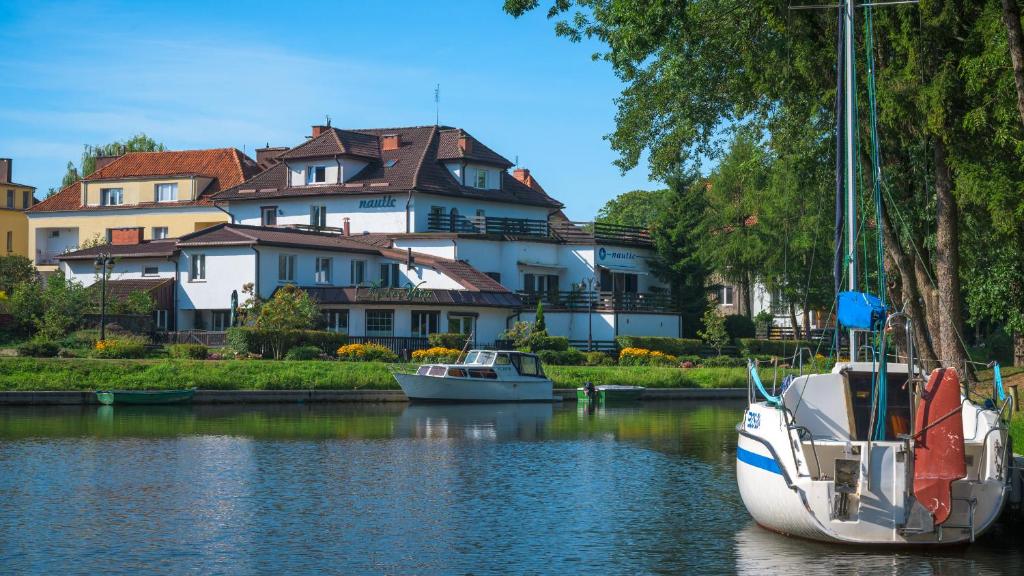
(524, 421)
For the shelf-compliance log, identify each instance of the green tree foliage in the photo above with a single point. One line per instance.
(635, 208)
(53, 308)
(714, 333)
(538, 324)
(291, 308)
(136, 302)
(15, 270)
(138, 143)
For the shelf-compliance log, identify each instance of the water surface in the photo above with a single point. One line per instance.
(402, 489)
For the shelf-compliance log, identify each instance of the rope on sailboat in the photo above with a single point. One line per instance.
(752, 369)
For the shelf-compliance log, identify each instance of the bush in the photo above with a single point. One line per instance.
(366, 353)
(436, 355)
(122, 348)
(191, 351)
(450, 340)
(82, 339)
(519, 334)
(571, 357)
(672, 346)
(541, 341)
(277, 343)
(722, 362)
(739, 326)
(303, 353)
(644, 357)
(39, 348)
(783, 348)
(598, 359)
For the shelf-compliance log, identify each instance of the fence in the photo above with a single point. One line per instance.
(212, 339)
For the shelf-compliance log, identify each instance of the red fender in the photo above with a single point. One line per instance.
(939, 448)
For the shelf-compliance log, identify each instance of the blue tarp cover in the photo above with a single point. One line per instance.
(860, 310)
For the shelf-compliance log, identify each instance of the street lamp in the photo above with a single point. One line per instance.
(590, 284)
(104, 262)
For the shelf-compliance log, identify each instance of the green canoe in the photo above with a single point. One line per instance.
(144, 396)
(612, 393)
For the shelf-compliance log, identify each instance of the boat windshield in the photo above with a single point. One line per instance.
(480, 357)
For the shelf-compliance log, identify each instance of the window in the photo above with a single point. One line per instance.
(358, 273)
(268, 215)
(10, 198)
(55, 234)
(10, 241)
(390, 276)
(380, 322)
(621, 282)
(167, 192)
(111, 196)
(323, 271)
(496, 276)
(424, 322)
(481, 178)
(461, 324)
(316, 174)
(160, 320)
(286, 268)
(198, 268)
(336, 321)
(725, 296)
(159, 232)
(26, 199)
(528, 366)
(220, 320)
(318, 216)
(540, 283)
(150, 271)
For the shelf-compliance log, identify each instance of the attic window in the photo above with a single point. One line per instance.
(316, 174)
(391, 163)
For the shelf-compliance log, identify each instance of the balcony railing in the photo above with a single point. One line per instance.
(487, 225)
(582, 301)
(601, 233)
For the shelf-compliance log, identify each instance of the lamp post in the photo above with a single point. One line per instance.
(590, 284)
(103, 263)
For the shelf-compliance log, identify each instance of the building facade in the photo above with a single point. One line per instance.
(15, 200)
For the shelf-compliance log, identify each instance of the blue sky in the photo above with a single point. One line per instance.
(219, 74)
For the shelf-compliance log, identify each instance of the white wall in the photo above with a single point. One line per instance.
(227, 268)
(443, 247)
(575, 325)
(66, 240)
(349, 167)
(84, 271)
(370, 213)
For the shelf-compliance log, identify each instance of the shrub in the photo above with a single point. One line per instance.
(739, 326)
(598, 359)
(191, 351)
(541, 341)
(436, 355)
(366, 353)
(644, 357)
(82, 339)
(722, 362)
(451, 340)
(673, 346)
(303, 353)
(519, 334)
(784, 348)
(571, 357)
(39, 348)
(122, 348)
(277, 343)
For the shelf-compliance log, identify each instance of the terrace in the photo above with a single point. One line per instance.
(582, 301)
(571, 232)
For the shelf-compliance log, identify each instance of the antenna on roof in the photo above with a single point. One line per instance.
(328, 116)
(437, 104)
(517, 160)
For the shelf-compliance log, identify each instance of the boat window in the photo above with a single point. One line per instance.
(456, 372)
(423, 370)
(528, 366)
(485, 358)
(483, 373)
(437, 371)
(472, 356)
(502, 360)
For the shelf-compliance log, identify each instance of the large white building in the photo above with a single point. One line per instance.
(398, 233)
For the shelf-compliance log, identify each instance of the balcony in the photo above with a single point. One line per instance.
(601, 233)
(48, 258)
(582, 301)
(487, 225)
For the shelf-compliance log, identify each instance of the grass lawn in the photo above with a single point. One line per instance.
(93, 374)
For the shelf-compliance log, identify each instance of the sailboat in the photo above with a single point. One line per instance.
(875, 452)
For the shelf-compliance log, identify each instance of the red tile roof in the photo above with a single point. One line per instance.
(334, 141)
(227, 166)
(163, 248)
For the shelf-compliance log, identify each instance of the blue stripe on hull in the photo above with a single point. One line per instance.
(758, 461)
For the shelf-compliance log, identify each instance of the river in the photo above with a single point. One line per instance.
(404, 489)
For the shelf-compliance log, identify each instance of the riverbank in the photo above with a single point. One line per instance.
(87, 374)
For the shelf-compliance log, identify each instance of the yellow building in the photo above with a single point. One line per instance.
(167, 194)
(14, 200)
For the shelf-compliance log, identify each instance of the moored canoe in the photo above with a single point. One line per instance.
(144, 396)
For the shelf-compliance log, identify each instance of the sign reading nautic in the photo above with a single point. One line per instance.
(388, 201)
(617, 256)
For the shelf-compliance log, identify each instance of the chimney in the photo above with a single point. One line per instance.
(320, 129)
(126, 236)
(6, 170)
(465, 144)
(102, 160)
(345, 226)
(267, 157)
(390, 142)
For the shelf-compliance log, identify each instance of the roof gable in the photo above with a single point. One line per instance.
(335, 142)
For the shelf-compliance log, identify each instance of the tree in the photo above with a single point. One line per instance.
(138, 143)
(635, 208)
(539, 325)
(714, 333)
(136, 302)
(53, 307)
(291, 308)
(15, 270)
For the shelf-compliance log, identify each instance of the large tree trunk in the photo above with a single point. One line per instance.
(1018, 348)
(793, 322)
(911, 293)
(1015, 40)
(947, 262)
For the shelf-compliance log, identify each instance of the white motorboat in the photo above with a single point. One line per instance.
(484, 376)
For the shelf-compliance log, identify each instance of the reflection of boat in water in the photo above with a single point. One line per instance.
(485, 376)
(509, 421)
(608, 393)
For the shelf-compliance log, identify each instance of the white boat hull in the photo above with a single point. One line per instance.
(420, 387)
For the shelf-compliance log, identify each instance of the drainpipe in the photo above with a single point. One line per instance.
(338, 162)
(174, 299)
(256, 282)
(230, 215)
(408, 202)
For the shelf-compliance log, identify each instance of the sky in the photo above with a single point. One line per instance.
(212, 74)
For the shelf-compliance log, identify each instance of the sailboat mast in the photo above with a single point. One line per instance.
(851, 135)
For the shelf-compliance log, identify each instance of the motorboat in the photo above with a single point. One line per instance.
(483, 376)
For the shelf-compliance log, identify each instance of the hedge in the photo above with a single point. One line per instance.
(672, 346)
(739, 326)
(571, 357)
(190, 351)
(303, 353)
(277, 343)
(783, 348)
(541, 341)
(454, 340)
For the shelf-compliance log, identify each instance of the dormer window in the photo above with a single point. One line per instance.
(167, 192)
(111, 196)
(481, 178)
(316, 174)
